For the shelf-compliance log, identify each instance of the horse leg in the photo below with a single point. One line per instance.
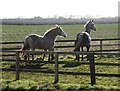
(32, 49)
(82, 51)
(77, 48)
(26, 56)
(88, 47)
(44, 55)
(52, 55)
(49, 58)
(77, 56)
(32, 56)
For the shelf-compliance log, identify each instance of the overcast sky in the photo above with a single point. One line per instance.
(50, 8)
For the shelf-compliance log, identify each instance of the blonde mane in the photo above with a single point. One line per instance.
(49, 30)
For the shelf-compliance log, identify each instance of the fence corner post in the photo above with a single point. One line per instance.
(92, 69)
(56, 68)
(17, 65)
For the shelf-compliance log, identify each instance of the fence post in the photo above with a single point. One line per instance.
(92, 69)
(101, 48)
(56, 68)
(17, 65)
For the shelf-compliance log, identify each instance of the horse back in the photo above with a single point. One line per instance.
(84, 39)
(35, 41)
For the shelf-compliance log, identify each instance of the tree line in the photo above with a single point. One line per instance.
(58, 20)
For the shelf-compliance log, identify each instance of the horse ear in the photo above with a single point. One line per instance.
(57, 26)
(91, 20)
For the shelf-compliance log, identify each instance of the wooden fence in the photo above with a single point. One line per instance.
(91, 62)
(7, 50)
(97, 45)
(100, 43)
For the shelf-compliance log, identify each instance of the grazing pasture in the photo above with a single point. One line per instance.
(36, 80)
(18, 32)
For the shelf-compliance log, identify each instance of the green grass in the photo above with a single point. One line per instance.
(39, 80)
(18, 32)
(46, 86)
(36, 80)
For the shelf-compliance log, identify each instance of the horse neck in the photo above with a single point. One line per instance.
(51, 35)
(88, 31)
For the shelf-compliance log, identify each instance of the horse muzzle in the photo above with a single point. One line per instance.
(64, 34)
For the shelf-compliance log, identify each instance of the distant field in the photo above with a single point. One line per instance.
(18, 32)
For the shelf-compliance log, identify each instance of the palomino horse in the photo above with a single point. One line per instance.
(83, 39)
(45, 42)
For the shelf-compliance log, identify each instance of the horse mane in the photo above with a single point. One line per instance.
(49, 30)
(88, 22)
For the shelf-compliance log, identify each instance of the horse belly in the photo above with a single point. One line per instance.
(42, 45)
(39, 45)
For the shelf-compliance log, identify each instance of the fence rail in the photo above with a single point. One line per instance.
(65, 41)
(70, 46)
(99, 46)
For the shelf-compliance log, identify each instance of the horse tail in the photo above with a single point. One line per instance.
(25, 46)
(78, 41)
(77, 38)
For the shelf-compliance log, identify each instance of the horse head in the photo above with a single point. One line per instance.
(60, 31)
(90, 25)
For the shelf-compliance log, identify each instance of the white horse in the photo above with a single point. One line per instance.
(46, 42)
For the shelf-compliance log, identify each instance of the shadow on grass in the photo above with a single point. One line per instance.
(70, 65)
(31, 66)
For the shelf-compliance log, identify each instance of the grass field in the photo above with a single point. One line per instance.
(35, 80)
(18, 32)
(29, 80)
